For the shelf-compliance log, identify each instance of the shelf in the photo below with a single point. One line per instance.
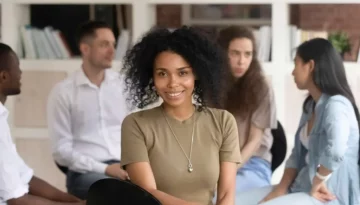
(74, 64)
(319, 1)
(250, 1)
(210, 1)
(73, 1)
(182, 1)
(226, 22)
(68, 66)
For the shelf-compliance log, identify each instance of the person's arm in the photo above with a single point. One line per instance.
(135, 159)
(59, 125)
(29, 199)
(40, 188)
(264, 117)
(15, 176)
(252, 144)
(337, 131)
(226, 184)
(230, 157)
(290, 172)
(286, 180)
(141, 174)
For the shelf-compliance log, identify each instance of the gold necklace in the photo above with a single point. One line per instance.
(190, 166)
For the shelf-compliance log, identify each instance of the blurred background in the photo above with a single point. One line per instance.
(43, 34)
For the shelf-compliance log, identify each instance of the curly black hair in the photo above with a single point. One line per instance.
(203, 54)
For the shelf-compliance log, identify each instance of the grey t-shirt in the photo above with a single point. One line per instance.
(264, 118)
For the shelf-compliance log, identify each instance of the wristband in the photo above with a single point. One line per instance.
(321, 177)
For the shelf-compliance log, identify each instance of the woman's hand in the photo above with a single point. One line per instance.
(320, 192)
(277, 192)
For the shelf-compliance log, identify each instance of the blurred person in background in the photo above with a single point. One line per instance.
(18, 185)
(85, 112)
(250, 98)
(323, 167)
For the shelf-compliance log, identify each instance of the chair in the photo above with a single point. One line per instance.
(279, 147)
(62, 168)
(112, 191)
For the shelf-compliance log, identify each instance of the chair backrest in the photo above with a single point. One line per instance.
(279, 147)
(112, 191)
(62, 168)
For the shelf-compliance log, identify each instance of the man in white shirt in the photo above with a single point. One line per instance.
(18, 185)
(85, 112)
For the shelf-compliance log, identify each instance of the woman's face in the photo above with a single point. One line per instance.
(174, 79)
(240, 53)
(302, 73)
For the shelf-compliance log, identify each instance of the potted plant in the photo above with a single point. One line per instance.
(340, 41)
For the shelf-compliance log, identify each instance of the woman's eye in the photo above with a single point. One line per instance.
(162, 74)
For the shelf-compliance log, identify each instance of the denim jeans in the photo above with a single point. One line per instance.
(78, 184)
(256, 173)
(254, 196)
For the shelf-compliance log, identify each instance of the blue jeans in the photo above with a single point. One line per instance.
(78, 184)
(254, 196)
(255, 173)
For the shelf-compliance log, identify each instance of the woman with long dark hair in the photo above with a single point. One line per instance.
(250, 99)
(323, 167)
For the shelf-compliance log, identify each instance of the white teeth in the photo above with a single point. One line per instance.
(174, 94)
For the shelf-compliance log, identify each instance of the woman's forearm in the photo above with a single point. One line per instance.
(249, 149)
(287, 179)
(226, 200)
(167, 199)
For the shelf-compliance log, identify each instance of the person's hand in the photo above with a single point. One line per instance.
(114, 170)
(320, 192)
(276, 192)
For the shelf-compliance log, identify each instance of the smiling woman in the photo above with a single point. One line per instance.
(180, 151)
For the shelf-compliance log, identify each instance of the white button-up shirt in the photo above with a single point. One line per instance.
(15, 175)
(84, 121)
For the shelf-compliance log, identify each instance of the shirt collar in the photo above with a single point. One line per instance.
(82, 79)
(309, 106)
(323, 98)
(3, 110)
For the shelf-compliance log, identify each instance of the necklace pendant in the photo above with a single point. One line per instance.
(190, 169)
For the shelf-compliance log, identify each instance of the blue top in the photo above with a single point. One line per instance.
(334, 144)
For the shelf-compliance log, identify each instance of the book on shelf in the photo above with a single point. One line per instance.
(47, 43)
(50, 43)
(298, 36)
(263, 43)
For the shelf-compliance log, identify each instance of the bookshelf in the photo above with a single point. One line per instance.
(15, 13)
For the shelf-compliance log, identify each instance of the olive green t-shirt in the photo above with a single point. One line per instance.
(146, 137)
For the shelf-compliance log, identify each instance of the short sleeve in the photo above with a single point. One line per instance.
(133, 147)
(265, 115)
(230, 149)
